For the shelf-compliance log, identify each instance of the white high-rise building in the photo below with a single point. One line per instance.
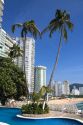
(29, 61)
(1, 10)
(66, 88)
(58, 88)
(81, 90)
(6, 42)
(2, 43)
(75, 91)
(61, 88)
(40, 77)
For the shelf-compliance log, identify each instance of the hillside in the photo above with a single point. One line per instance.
(75, 84)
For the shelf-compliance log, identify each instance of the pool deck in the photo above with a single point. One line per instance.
(53, 114)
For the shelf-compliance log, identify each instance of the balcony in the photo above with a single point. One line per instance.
(1, 6)
(1, 13)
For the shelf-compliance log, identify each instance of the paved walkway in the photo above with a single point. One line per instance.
(56, 114)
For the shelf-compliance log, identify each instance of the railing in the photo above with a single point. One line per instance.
(69, 108)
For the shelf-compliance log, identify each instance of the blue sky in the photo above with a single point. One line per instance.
(70, 66)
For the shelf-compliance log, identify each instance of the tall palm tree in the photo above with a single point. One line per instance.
(62, 23)
(15, 51)
(26, 28)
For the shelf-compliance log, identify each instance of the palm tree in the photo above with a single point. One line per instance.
(26, 28)
(36, 97)
(15, 51)
(44, 92)
(62, 23)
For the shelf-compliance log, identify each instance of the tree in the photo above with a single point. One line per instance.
(26, 28)
(7, 86)
(15, 51)
(36, 97)
(61, 22)
(12, 80)
(44, 92)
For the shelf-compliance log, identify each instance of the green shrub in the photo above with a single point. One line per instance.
(3, 101)
(46, 110)
(40, 109)
(34, 108)
(24, 109)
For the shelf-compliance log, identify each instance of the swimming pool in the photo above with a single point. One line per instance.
(8, 115)
(80, 105)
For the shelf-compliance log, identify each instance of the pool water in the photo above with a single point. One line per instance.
(8, 115)
(80, 105)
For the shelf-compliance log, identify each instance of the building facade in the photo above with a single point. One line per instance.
(1, 10)
(66, 88)
(58, 88)
(29, 60)
(75, 91)
(6, 42)
(61, 88)
(40, 77)
(2, 43)
(81, 90)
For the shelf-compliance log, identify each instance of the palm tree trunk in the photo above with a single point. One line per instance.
(56, 61)
(44, 105)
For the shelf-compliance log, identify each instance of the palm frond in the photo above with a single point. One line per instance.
(53, 30)
(45, 30)
(64, 32)
(67, 16)
(31, 27)
(50, 26)
(16, 25)
(23, 33)
(36, 31)
(70, 25)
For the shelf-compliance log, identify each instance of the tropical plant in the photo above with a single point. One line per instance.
(15, 51)
(62, 23)
(26, 28)
(36, 97)
(44, 92)
(34, 108)
(12, 80)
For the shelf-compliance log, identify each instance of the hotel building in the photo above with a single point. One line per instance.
(29, 61)
(61, 88)
(40, 77)
(81, 90)
(66, 88)
(6, 42)
(75, 91)
(57, 88)
(1, 10)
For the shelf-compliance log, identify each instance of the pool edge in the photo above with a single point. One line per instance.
(33, 118)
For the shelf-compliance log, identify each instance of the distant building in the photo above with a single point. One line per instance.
(40, 77)
(58, 88)
(75, 91)
(5, 43)
(66, 88)
(1, 10)
(61, 88)
(81, 90)
(29, 61)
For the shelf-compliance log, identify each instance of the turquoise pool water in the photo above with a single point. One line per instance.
(8, 115)
(80, 105)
